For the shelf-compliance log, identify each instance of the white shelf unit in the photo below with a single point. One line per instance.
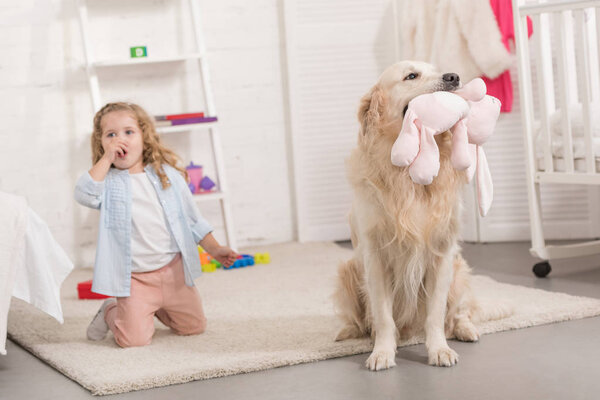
(144, 60)
(222, 196)
(209, 196)
(186, 127)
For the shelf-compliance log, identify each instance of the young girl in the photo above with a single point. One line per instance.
(147, 254)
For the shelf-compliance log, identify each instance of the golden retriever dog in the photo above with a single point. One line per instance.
(407, 274)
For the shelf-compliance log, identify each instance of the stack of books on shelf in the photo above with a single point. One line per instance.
(182, 119)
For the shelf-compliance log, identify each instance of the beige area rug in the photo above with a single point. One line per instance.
(260, 317)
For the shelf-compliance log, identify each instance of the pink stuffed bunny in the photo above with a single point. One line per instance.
(471, 116)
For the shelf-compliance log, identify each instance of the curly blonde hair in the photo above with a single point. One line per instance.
(154, 153)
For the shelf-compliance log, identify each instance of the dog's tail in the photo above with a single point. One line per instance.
(491, 311)
(349, 301)
(464, 298)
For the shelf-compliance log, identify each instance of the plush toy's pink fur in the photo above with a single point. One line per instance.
(470, 114)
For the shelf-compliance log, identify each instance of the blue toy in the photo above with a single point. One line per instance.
(244, 260)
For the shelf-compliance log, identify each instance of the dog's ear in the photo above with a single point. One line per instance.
(370, 110)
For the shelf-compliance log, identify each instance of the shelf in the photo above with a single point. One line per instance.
(185, 127)
(146, 60)
(171, 63)
(209, 196)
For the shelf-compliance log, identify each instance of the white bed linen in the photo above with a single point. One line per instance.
(32, 264)
(579, 147)
(13, 224)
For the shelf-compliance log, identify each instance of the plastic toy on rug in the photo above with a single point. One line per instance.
(262, 258)
(210, 267)
(84, 291)
(207, 263)
(246, 260)
(470, 115)
(243, 260)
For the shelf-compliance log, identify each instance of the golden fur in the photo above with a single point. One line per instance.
(402, 232)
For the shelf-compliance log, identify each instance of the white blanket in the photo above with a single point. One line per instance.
(556, 132)
(13, 223)
(32, 264)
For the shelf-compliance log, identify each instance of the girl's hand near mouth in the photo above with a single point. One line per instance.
(117, 148)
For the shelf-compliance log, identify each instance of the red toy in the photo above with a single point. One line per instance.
(84, 290)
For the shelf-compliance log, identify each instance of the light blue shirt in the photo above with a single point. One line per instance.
(112, 269)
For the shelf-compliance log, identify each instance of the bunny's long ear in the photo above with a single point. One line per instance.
(485, 188)
(406, 147)
(460, 157)
(370, 110)
(427, 164)
(473, 157)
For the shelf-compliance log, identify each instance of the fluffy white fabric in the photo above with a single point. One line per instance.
(42, 267)
(13, 220)
(32, 264)
(556, 132)
(460, 36)
(259, 317)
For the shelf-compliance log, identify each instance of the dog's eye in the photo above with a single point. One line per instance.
(411, 76)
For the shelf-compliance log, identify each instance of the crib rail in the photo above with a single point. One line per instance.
(555, 6)
(566, 50)
(565, 78)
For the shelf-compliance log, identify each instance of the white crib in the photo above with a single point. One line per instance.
(562, 142)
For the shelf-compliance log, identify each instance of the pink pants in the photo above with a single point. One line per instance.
(162, 293)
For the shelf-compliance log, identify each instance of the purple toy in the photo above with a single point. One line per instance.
(207, 184)
(195, 173)
(193, 120)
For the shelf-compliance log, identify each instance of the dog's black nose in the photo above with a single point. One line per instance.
(451, 78)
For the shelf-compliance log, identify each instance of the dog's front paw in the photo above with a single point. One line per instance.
(381, 359)
(443, 357)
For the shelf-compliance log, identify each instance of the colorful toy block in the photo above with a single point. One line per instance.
(248, 259)
(210, 267)
(137, 52)
(84, 291)
(205, 258)
(262, 258)
(244, 260)
(209, 264)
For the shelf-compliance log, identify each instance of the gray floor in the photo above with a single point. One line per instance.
(558, 361)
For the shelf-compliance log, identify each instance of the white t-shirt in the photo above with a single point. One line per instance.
(152, 245)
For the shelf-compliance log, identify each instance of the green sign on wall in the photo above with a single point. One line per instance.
(139, 51)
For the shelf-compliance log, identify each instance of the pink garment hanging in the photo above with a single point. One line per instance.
(501, 87)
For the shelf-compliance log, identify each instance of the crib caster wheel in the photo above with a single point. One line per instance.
(542, 269)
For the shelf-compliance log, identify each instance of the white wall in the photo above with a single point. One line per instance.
(46, 110)
(336, 51)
